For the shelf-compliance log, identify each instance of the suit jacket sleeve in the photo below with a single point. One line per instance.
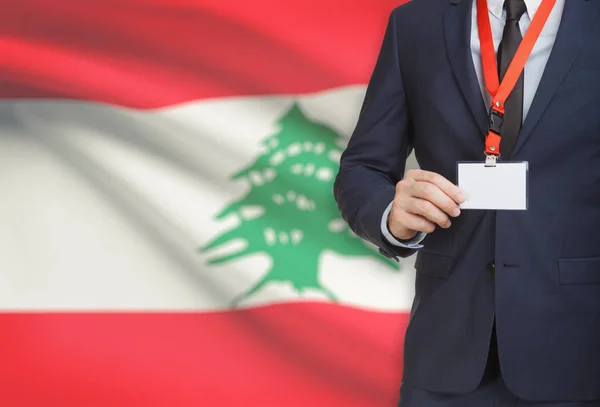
(375, 158)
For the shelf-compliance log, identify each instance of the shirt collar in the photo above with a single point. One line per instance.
(496, 6)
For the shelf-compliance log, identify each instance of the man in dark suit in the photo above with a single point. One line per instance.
(507, 303)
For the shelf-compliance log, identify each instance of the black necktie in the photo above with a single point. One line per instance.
(513, 107)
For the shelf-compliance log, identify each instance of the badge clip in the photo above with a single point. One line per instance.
(490, 160)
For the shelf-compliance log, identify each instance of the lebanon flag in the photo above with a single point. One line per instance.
(168, 233)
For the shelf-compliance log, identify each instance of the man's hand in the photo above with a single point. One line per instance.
(423, 200)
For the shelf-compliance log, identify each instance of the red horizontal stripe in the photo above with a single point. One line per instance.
(154, 53)
(294, 355)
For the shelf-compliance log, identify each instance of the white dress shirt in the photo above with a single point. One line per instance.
(534, 68)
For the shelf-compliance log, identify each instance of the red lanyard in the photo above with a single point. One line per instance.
(501, 91)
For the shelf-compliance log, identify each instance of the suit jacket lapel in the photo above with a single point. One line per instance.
(576, 23)
(457, 34)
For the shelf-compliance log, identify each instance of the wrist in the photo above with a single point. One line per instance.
(404, 234)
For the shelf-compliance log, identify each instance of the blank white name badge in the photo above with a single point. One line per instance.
(501, 187)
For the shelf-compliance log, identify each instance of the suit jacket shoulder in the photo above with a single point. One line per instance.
(418, 22)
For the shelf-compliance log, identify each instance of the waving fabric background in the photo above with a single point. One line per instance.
(168, 235)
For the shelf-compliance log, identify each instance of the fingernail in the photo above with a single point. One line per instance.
(456, 212)
(461, 198)
(447, 225)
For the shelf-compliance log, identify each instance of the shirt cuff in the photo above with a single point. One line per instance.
(413, 243)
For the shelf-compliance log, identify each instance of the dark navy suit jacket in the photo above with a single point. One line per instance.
(544, 290)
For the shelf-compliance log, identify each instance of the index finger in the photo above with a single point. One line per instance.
(442, 183)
